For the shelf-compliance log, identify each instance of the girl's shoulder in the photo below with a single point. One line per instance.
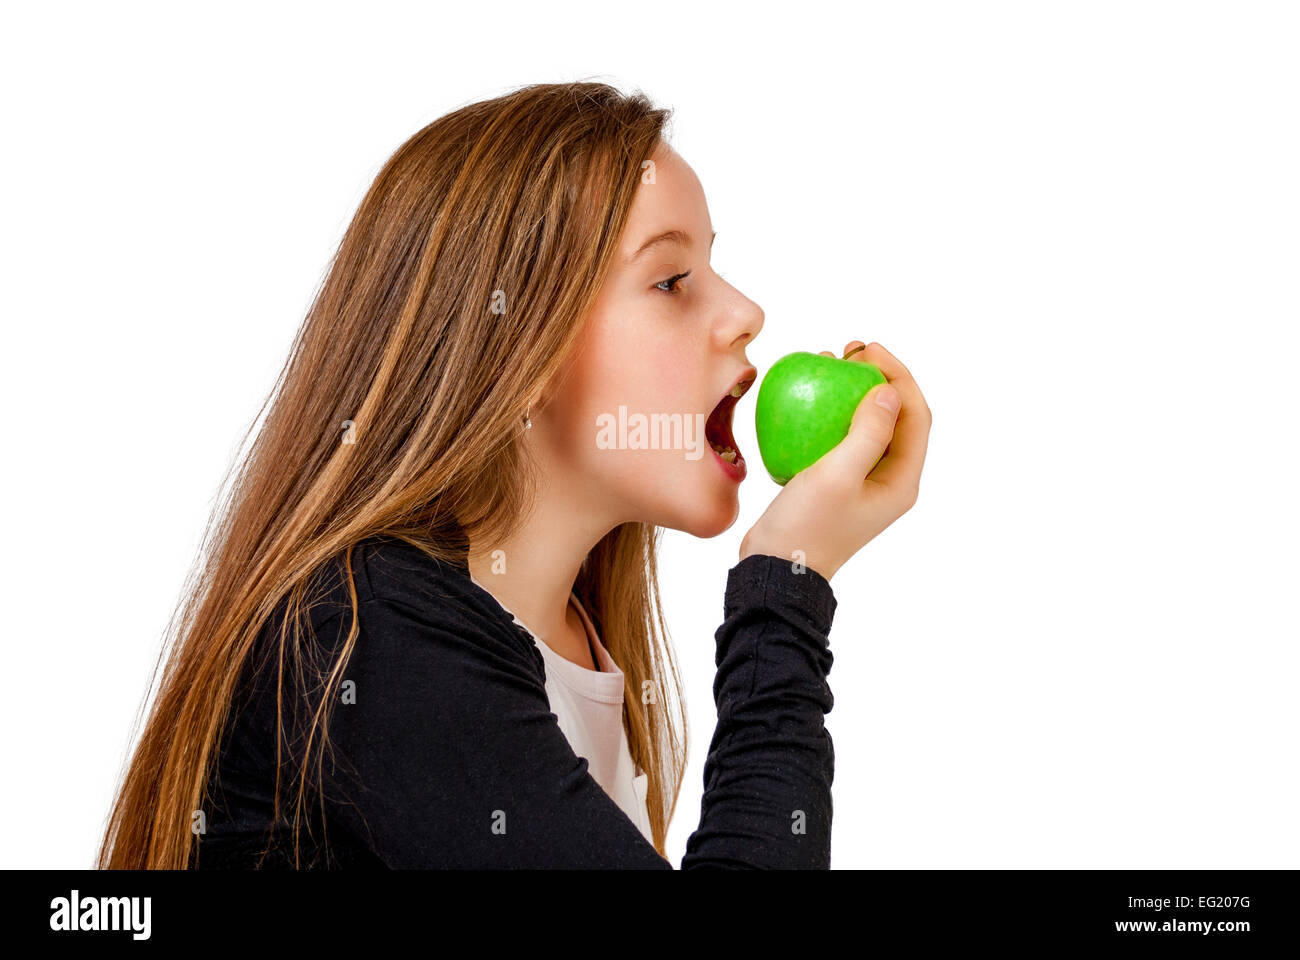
(396, 582)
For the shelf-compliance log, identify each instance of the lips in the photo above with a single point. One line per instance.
(717, 427)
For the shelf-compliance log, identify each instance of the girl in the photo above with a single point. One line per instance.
(426, 631)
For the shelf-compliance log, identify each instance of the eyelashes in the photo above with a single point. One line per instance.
(669, 286)
(672, 283)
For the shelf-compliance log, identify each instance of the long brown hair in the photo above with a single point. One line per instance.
(518, 200)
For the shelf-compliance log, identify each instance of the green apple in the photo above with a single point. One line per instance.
(805, 405)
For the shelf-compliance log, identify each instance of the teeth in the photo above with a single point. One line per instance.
(737, 390)
(726, 453)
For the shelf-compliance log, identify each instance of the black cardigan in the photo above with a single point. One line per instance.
(450, 756)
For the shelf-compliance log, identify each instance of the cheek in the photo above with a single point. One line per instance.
(645, 370)
(668, 372)
(626, 365)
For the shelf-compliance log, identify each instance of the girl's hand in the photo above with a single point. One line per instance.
(828, 512)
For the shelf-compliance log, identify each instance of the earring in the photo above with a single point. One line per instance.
(528, 420)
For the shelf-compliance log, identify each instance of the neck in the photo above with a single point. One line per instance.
(533, 571)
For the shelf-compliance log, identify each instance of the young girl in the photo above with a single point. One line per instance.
(426, 631)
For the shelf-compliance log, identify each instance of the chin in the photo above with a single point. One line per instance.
(697, 500)
(714, 517)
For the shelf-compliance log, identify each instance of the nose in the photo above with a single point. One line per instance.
(741, 322)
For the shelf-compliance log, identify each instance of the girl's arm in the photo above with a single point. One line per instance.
(767, 777)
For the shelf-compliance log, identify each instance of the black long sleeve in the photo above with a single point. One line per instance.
(450, 756)
(767, 776)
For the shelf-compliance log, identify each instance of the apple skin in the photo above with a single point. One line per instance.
(805, 406)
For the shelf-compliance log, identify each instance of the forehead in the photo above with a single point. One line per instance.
(674, 201)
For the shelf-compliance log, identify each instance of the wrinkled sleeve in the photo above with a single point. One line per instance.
(767, 777)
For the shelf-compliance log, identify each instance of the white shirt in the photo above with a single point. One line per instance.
(589, 707)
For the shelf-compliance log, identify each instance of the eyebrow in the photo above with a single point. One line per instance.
(668, 236)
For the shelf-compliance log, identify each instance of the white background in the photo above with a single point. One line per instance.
(1077, 223)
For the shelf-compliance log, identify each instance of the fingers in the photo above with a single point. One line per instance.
(889, 364)
(902, 431)
(914, 404)
(901, 467)
(870, 432)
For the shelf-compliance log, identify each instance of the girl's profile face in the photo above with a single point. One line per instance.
(633, 424)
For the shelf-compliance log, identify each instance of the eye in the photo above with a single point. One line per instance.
(672, 282)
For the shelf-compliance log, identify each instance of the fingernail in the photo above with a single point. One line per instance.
(888, 398)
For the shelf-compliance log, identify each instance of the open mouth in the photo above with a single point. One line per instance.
(717, 428)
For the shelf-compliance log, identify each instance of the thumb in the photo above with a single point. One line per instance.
(869, 433)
